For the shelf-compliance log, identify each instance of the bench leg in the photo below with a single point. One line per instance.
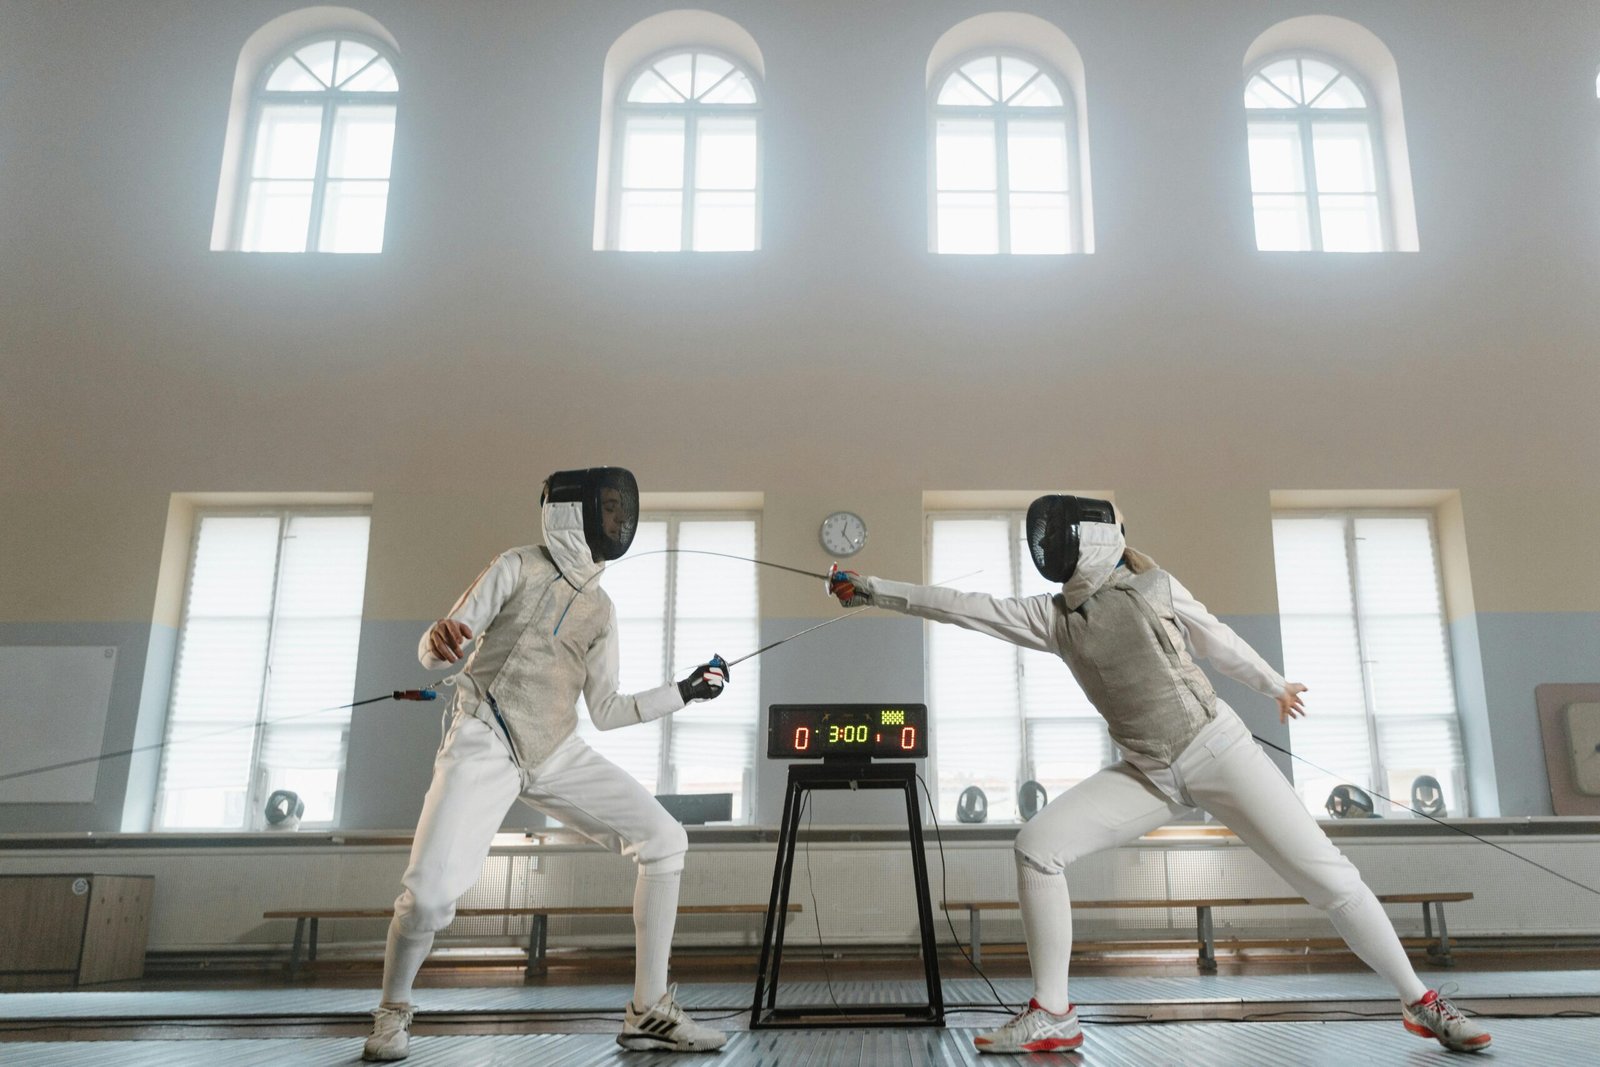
(1439, 952)
(294, 952)
(537, 931)
(311, 946)
(975, 931)
(1208, 946)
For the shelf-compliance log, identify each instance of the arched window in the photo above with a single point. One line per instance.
(687, 156)
(316, 166)
(1315, 171)
(1003, 157)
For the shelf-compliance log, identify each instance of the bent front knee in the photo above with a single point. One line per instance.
(423, 914)
(1031, 849)
(662, 852)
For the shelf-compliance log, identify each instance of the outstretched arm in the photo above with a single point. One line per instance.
(1215, 640)
(1025, 621)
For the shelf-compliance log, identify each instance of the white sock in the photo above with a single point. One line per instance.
(1047, 925)
(402, 959)
(655, 913)
(1370, 935)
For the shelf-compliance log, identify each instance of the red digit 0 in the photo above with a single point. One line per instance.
(802, 738)
(908, 738)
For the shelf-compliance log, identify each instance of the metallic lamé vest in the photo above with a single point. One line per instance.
(1126, 650)
(532, 659)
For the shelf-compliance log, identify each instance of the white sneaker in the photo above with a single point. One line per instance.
(1034, 1030)
(666, 1028)
(1433, 1016)
(391, 1034)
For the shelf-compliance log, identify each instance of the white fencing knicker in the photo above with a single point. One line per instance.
(1225, 773)
(475, 781)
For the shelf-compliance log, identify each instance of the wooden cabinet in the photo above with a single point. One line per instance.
(73, 928)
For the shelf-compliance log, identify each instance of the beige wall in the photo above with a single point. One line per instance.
(71, 555)
(490, 340)
(1540, 550)
(843, 366)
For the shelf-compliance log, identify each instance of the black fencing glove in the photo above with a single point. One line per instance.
(705, 682)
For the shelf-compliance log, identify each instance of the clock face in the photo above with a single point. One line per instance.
(843, 533)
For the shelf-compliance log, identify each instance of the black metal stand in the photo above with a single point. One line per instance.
(764, 1012)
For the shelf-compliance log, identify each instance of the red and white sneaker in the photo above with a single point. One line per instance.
(1433, 1016)
(1034, 1030)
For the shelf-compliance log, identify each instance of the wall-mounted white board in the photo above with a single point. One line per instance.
(53, 704)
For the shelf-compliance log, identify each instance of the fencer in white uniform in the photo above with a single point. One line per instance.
(1125, 627)
(545, 631)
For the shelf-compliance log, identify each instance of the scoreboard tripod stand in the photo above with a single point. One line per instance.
(846, 737)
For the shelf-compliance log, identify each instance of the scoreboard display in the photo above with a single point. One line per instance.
(849, 731)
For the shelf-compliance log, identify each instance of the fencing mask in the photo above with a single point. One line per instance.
(1427, 796)
(972, 805)
(284, 810)
(601, 503)
(1350, 802)
(1055, 531)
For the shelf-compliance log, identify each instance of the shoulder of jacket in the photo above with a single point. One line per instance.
(528, 555)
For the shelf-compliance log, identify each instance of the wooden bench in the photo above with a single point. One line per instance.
(1438, 947)
(538, 929)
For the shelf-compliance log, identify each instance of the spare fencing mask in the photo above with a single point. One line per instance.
(1427, 796)
(1350, 802)
(1055, 531)
(605, 500)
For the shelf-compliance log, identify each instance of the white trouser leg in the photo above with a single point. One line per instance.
(655, 916)
(474, 782)
(606, 804)
(1232, 778)
(1114, 805)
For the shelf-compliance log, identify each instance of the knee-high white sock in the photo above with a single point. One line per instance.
(1370, 935)
(655, 913)
(402, 959)
(1047, 924)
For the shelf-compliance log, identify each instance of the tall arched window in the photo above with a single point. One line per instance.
(1003, 157)
(687, 159)
(316, 170)
(1315, 173)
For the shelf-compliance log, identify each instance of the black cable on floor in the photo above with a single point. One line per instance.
(944, 881)
(816, 913)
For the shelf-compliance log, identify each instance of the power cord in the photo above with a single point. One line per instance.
(816, 913)
(944, 880)
(1515, 855)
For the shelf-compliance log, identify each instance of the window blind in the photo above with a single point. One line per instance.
(674, 611)
(272, 622)
(1002, 714)
(1364, 628)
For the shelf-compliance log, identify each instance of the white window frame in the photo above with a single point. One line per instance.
(1379, 773)
(667, 776)
(1000, 114)
(690, 111)
(1017, 534)
(1305, 117)
(329, 100)
(666, 772)
(255, 789)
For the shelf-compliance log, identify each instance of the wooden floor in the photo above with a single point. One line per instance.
(487, 1019)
